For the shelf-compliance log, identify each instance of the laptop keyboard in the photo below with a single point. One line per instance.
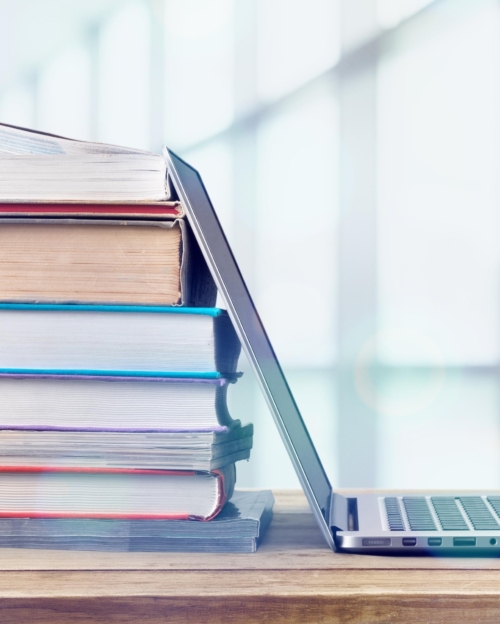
(447, 513)
(479, 514)
(418, 513)
(394, 515)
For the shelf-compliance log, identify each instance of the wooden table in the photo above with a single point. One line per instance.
(292, 578)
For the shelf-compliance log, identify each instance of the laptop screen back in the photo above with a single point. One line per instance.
(251, 332)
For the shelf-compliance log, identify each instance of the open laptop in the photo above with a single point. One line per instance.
(367, 523)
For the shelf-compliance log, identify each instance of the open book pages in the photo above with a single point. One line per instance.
(39, 167)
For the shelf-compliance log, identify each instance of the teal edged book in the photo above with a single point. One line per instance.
(117, 340)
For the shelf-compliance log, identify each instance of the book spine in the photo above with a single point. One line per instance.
(222, 495)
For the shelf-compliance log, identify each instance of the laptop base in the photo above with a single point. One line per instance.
(444, 524)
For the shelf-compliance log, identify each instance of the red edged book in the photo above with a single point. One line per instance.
(113, 493)
(91, 210)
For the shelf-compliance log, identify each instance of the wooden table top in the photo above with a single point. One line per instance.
(293, 577)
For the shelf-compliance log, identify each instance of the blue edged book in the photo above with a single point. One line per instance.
(117, 340)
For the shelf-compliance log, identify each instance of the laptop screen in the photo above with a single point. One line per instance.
(247, 323)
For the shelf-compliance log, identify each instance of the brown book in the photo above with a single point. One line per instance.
(102, 261)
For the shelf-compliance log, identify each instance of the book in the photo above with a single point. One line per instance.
(35, 166)
(189, 450)
(102, 261)
(239, 527)
(140, 341)
(69, 492)
(93, 210)
(113, 403)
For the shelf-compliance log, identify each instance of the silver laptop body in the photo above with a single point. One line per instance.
(368, 523)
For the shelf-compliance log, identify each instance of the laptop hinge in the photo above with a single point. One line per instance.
(339, 513)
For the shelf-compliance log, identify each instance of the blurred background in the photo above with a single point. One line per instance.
(351, 149)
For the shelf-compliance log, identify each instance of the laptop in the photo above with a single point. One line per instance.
(367, 523)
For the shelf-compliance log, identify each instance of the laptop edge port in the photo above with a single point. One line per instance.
(434, 541)
(409, 541)
(464, 541)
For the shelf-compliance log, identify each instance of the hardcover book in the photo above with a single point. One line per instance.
(107, 493)
(93, 210)
(102, 261)
(143, 404)
(140, 341)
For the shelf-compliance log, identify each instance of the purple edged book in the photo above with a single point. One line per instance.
(118, 421)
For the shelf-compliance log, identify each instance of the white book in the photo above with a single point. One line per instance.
(40, 167)
(117, 340)
(31, 492)
(112, 403)
(181, 450)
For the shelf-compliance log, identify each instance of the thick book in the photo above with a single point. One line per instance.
(189, 450)
(133, 341)
(38, 167)
(140, 404)
(102, 261)
(239, 527)
(107, 493)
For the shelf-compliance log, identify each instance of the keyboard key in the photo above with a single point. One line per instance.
(449, 514)
(418, 513)
(494, 501)
(479, 514)
(394, 515)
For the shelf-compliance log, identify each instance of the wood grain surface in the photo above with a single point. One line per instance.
(293, 577)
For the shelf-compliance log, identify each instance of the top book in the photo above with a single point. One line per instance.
(38, 167)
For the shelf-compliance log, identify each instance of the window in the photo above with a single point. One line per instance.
(124, 78)
(438, 255)
(296, 41)
(17, 105)
(352, 156)
(64, 95)
(199, 69)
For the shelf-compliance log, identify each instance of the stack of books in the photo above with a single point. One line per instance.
(114, 362)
